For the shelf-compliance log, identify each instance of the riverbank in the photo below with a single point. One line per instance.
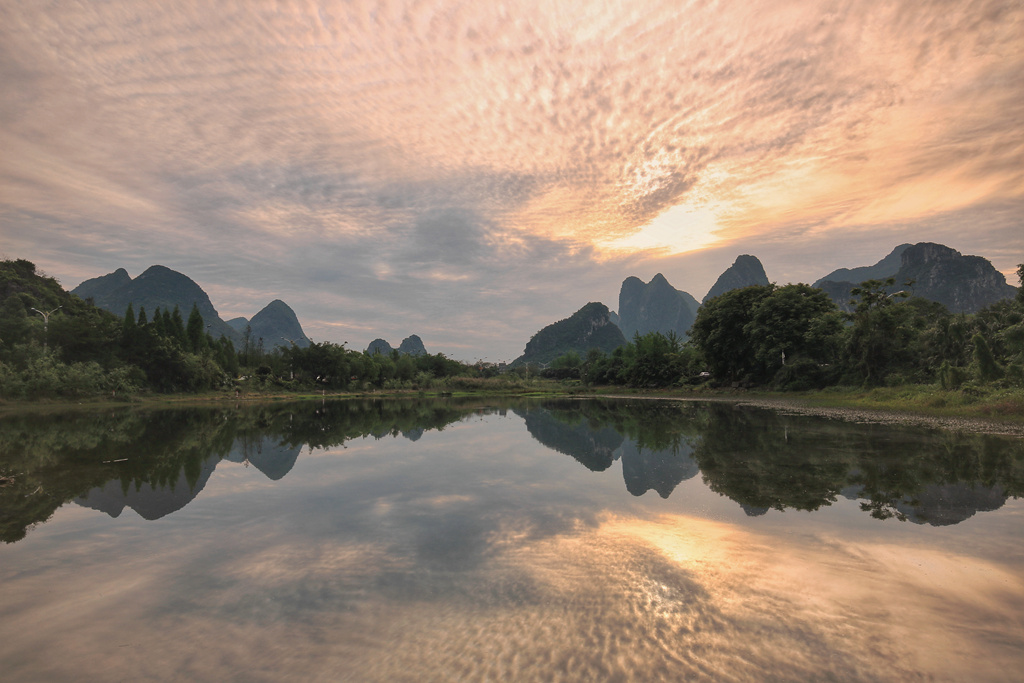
(988, 411)
(991, 411)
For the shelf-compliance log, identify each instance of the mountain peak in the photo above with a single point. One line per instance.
(745, 271)
(278, 325)
(654, 307)
(588, 328)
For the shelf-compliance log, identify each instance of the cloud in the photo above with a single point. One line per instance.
(354, 158)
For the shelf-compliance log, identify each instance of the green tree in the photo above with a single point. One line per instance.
(794, 322)
(988, 368)
(195, 331)
(875, 336)
(719, 333)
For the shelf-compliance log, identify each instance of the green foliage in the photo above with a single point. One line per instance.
(987, 367)
(950, 376)
(720, 333)
(195, 331)
(751, 334)
(587, 328)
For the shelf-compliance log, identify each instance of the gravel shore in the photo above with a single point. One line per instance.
(859, 415)
(863, 415)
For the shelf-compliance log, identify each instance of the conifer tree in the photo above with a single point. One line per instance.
(195, 332)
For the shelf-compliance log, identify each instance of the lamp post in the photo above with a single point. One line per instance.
(46, 323)
(291, 361)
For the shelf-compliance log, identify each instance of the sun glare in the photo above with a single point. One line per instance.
(678, 230)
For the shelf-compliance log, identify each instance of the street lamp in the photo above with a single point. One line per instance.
(46, 322)
(291, 362)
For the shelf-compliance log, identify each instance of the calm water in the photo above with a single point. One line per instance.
(505, 540)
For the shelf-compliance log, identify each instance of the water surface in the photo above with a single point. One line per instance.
(508, 540)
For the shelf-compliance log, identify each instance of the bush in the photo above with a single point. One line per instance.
(951, 377)
(802, 374)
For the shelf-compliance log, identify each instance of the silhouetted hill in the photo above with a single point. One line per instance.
(654, 307)
(99, 286)
(238, 324)
(378, 346)
(885, 268)
(745, 271)
(158, 287)
(413, 346)
(277, 325)
(588, 328)
(963, 284)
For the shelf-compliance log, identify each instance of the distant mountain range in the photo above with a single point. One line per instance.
(411, 345)
(745, 271)
(655, 306)
(963, 284)
(163, 288)
(588, 328)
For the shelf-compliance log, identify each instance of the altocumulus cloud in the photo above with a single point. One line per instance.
(435, 167)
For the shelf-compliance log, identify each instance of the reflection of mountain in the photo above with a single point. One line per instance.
(593, 447)
(265, 453)
(946, 504)
(662, 471)
(149, 501)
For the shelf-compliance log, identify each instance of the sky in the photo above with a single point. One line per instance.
(473, 171)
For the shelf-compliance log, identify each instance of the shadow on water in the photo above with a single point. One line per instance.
(156, 462)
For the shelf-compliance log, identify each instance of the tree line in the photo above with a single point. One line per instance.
(794, 337)
(790, 337)
(54, 344)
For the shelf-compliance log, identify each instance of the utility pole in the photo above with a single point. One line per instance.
(46, 323)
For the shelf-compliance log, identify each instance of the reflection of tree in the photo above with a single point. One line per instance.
(765, 460)
(49, 460)
(762, 459)
(938, 477)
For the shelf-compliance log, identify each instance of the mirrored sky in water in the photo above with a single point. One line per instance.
(477, 552)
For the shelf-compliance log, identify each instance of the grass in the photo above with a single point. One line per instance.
(987, 403)
(999, 404)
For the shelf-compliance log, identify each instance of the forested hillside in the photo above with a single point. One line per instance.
(54, 344)
(795, 337)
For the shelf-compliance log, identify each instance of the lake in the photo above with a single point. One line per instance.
(502, 539)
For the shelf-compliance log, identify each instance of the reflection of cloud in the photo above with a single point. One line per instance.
(666, 598)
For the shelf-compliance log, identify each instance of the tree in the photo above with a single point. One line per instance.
(875, 335)
(719, 332)
(195, 331)
(794, 322)
(988, 368)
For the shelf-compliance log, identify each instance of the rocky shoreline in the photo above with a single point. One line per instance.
(873, 416)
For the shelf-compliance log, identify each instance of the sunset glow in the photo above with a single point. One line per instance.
(433, 162)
